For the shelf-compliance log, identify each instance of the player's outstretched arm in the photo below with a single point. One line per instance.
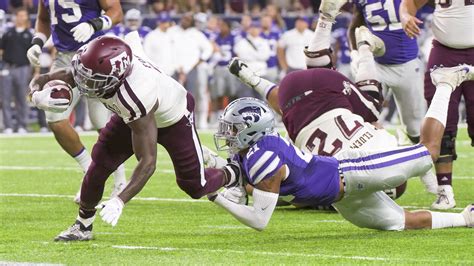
(265, 197)
(144, 135)
(410, 22)
(112, 9)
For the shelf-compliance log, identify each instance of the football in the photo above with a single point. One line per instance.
(397, 192)
(59, 89)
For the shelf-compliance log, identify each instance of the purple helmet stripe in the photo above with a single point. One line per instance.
(135, 99)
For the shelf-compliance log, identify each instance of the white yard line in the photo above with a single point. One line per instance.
(18, 263)
(32, 195)
(271, 253)
(57, 168)
(428, 208)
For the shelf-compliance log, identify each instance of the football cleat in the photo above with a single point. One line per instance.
(212, 159)
(364, 36)
(330, 8)
(470, 73)
(453, 76)
(241, 70)
(468, 214)
(77, 232)
(430, 182)
(445, 198)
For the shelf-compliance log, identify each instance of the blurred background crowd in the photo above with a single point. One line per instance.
(191, 40)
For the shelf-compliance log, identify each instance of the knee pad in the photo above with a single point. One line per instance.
(312, 58)
(448, 148)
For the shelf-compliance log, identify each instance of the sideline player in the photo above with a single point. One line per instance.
(399, 68)
(453, 44)
(352, 181)
(150, 107)
(71, 24)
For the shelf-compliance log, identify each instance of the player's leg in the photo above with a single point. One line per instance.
(99, 116)
(182, 143)
(113, 147)
(469, 98)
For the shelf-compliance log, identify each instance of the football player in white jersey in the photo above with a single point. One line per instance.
(150, 107)
(453, 44)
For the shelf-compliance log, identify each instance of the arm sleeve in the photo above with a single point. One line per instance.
(256, 216)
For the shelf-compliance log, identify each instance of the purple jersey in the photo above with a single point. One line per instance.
(120, 31)
(383, 19)
(305, 95)
(66, 15)
(210, 35)
(226, 46)
(272, 37)
(312, 179)
(344, 53)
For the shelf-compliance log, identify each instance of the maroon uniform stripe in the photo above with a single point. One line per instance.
(129, 108)
(135, 99)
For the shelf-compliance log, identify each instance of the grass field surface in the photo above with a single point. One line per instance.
(164, 226)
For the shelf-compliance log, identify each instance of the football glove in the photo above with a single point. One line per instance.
(111, 210)
(42, 99)
(33, 55)
(82, 32)
(236, 194)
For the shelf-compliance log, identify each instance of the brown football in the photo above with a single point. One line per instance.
(59, 89)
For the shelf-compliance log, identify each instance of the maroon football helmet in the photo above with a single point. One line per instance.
(101, 66)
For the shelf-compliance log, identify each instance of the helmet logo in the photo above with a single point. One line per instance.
(251, 113)
(119, 64)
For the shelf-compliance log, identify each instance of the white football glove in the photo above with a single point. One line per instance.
(212, 159)
(82, 32)
(111, 210)
(33, 55)
(236, 194)
(42, 99)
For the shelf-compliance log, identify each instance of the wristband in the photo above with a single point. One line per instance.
(101, 23)
(39, 39)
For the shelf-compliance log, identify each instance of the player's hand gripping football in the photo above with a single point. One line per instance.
(111, 210)
(43, 100)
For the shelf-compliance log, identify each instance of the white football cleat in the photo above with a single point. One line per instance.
(430, 182)
(468, 214)
(212, 159)
(241, 70)
(76, 232)
(453, 76)
(445, 198)
(330, 8)
(364, 36)
(470, 73)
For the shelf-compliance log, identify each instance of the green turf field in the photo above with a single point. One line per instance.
(164, 226)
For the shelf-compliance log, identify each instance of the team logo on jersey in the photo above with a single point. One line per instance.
(251, 113)
(119, 64)
(347, 88)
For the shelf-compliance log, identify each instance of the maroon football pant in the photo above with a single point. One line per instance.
(181, 141)
(449, 57)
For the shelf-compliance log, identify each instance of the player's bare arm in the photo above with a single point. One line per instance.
(265, 197)
(144, 134)
(43, 21)
(357, 21)
(112, 9)
(410, 22)
(64, 74)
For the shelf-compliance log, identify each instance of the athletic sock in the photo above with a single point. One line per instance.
(439, 104)
(84, 159)
(444, 179)
(321, 37)
(366, 67)
(86, 221)
(119, 175)
(446, 220)
(263, 87)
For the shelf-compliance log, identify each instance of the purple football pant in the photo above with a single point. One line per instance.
(114, 147)
(449, 57)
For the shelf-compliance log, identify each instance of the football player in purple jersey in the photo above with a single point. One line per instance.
(71, 24)
(133, 21)
(352, 181)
